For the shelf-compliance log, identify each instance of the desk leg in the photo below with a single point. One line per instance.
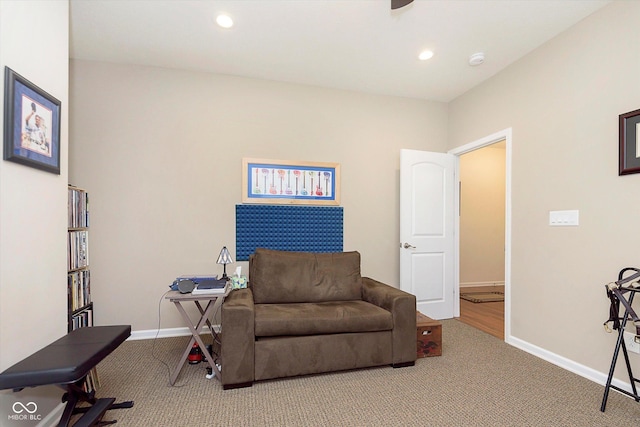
(202, 314)
(207, 355)
(195, 332)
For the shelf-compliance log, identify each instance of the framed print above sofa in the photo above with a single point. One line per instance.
(290, 182)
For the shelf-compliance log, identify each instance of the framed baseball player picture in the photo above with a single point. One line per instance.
(31, 124)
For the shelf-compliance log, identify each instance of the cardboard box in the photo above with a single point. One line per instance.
(429, 336)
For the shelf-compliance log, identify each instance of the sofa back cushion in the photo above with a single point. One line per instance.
(286, 277)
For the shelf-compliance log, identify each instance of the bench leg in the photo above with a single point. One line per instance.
(93, 413)
(72, 400)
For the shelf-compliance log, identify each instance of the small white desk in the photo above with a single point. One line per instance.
(195, 327)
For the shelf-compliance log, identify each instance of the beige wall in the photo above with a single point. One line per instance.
(33, 215)
(482, 216)
(562, 102)
(160, 152)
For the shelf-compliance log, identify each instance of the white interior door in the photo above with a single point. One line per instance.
(427, 246)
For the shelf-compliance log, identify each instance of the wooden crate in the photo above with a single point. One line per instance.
(429, 336)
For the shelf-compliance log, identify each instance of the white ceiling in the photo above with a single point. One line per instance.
(358, 45)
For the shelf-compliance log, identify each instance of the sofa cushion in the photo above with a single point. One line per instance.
(320, 318)
(288, 277)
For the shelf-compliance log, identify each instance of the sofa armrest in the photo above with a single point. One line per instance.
(238, 338)
(402, 306)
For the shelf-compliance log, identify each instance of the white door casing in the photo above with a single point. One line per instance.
(427, 225)
(507, 136)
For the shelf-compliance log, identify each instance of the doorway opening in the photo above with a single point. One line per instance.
(481, 236)
(484, 239)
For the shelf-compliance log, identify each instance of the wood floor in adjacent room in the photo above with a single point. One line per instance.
(486, 316)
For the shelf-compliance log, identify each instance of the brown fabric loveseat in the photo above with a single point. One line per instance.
(307, 313)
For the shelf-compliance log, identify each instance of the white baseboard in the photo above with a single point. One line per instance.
(478, 284)
(150, 334)
(569, 365)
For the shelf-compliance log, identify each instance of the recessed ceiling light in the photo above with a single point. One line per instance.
(476, 59)
(425, 54)
(224, 21)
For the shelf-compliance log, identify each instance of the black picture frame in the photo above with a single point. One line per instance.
(31, 124)
(629, 143)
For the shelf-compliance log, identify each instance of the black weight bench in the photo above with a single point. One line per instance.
(65, 363)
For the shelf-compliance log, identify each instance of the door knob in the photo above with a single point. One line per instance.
(408, 246)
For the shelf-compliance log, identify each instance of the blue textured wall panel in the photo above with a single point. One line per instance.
(288, 228)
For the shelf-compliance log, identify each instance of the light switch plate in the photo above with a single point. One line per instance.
(564, 218)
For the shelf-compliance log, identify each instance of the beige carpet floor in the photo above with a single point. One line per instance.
(478, 381)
